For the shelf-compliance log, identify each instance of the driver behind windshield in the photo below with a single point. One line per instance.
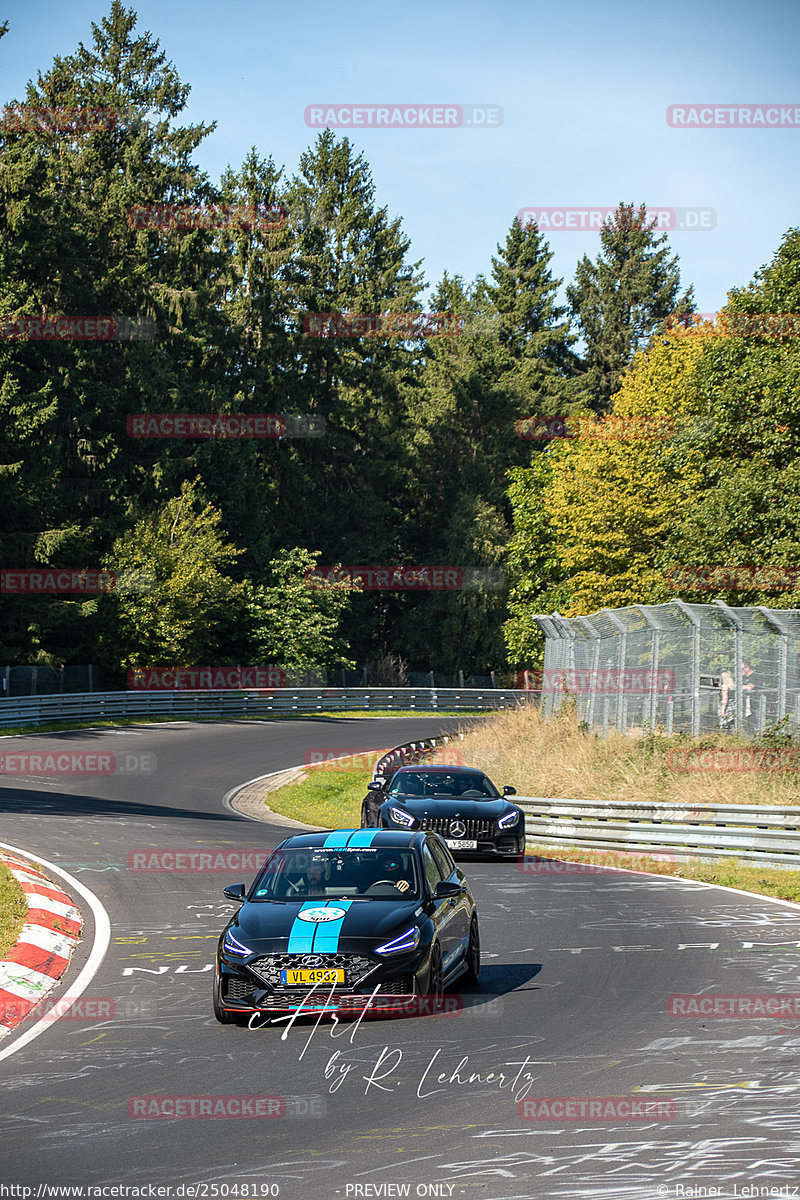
(312, 881)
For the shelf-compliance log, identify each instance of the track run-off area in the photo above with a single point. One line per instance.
(568, 1073)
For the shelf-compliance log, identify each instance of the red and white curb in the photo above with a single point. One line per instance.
(41, 956)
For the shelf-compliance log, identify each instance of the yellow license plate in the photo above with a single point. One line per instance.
(306, 978)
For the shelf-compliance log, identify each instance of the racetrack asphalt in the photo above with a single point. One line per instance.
(577, 971)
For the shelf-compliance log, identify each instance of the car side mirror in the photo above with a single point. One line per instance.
(509, 791)
(235, 891)
(444, 890)
(375, 785)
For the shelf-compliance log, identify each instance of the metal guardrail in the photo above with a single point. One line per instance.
(100, 706)
(754, 833)
(759, 834)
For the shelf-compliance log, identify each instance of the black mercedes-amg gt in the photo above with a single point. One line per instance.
(359, 919)
(461, 804)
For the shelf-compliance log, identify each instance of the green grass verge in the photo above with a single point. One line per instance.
(728, 872)
(13, 909)
(323, 797)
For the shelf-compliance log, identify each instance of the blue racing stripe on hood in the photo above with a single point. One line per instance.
(327, 939)
(301, 935)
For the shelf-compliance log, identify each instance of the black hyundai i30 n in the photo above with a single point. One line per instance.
(366, 920)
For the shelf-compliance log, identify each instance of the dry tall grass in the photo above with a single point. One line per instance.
(555, 757)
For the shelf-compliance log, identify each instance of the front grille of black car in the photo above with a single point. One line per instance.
(321, 999)
(268, 969)
(477, 829)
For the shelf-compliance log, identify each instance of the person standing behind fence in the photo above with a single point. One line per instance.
(748, 687)
(727, 699)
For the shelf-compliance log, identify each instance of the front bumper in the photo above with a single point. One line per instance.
(254, 986)
(487, 838)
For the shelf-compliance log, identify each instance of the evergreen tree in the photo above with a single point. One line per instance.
(620, 300)
(533, 331)
(67, 247)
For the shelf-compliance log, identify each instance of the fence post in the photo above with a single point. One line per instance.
(783, 672)
(622, 699)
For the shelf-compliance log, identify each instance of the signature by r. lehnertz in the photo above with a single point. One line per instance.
(430, 1082)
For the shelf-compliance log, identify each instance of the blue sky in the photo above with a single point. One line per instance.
(584, 87)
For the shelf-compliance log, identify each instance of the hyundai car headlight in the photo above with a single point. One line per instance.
(508, 820)
(401, 818)
(231, 946)
(408, 940)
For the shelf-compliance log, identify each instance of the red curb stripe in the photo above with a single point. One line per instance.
(36, 889)
(25, 954)
(14, 864)
(51, 920)
(13, 1008)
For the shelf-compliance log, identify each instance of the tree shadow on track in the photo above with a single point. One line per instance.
(53, 804)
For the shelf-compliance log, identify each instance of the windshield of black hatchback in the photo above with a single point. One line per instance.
(319, 873)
